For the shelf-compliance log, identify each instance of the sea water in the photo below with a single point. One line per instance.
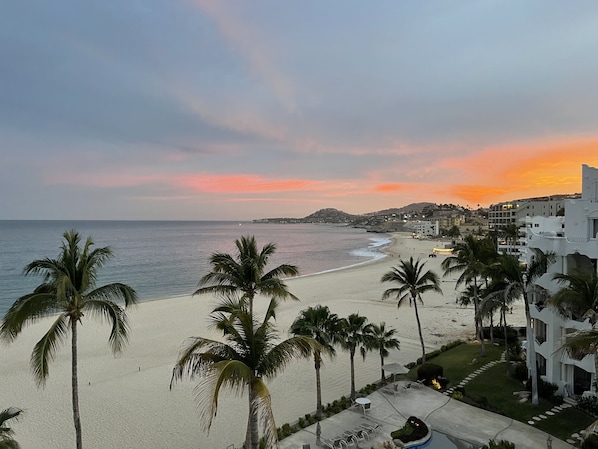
(162, 259)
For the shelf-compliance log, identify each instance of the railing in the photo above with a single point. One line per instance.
(577, 239)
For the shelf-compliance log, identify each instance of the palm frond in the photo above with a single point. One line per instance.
(28, 309)
(582, 343)
(197, 355)
(45, 349)
(112, 313)
(5, 416)
(114, 292)
(280, 355)
(263, 403)
(232, 375)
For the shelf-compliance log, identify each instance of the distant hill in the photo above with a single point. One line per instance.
(330, 215)
(410, 208)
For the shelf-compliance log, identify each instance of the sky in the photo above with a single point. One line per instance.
(236, 110)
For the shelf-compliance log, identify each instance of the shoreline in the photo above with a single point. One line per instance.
(130, 395)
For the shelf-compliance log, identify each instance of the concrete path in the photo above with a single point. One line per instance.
(442, 413)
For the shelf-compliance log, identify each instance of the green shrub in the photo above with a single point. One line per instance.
(502, 444)
(429, 371)
(588, 405)
(591, 442)
(546, 390)
(521, 373)
(436, 352)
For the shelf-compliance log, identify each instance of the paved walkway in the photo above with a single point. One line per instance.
(442, 413)
(575, 438)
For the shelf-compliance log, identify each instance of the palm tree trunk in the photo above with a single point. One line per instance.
(504, 321)
(317, 365)
(531, 350)
(479, 318)
(352, 356)
(419, 329)
(252, 436)
(75, 385)
(382, 378)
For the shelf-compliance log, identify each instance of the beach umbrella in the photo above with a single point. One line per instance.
(394, 369)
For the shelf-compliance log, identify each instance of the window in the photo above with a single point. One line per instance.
(541, 361)
(540, 331)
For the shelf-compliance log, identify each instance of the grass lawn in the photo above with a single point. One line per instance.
(457, 362)
(494, 388)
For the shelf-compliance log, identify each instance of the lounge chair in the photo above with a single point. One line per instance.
(356, 435)
(371, 430)
(391, 389)
(335, 443)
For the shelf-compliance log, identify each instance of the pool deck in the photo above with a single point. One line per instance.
(442, 413)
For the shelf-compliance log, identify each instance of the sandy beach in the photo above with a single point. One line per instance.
(126, 401)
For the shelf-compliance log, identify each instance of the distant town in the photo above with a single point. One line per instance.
(436, 220)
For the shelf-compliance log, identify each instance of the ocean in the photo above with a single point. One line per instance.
(164, 259)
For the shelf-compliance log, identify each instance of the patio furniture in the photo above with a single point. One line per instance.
(391, 389)
(371, 430)
(364, 403)
(335, 443)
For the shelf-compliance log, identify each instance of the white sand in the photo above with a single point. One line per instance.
(126, 401)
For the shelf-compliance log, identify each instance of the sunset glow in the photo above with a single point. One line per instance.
(214, 110)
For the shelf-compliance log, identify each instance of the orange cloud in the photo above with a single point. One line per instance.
(388, 188)
(209, 183)
(524, 169)
(474, 194)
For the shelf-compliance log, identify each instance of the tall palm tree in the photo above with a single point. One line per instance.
(471, 258)
(355, 332)
(383, 340)
(514, 280)
(505, 287)
(67, 292)
(6, 433)
(317, 322)
(250, 352)
(244, 275)
(413, 281)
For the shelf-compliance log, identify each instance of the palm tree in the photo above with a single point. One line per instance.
(6, 433)
(517, 280)
(471, 258)
(383, 340)
(579, 295)
(317, 322)
(251, 352)
(506, 286)
(413, 281)
(354, 332)
(243, 275)
(67, 292)
(578, 299)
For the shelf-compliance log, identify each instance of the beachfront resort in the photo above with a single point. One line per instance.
(486, 347)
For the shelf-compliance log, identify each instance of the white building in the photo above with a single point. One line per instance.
(427, 228)
(574, 240)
